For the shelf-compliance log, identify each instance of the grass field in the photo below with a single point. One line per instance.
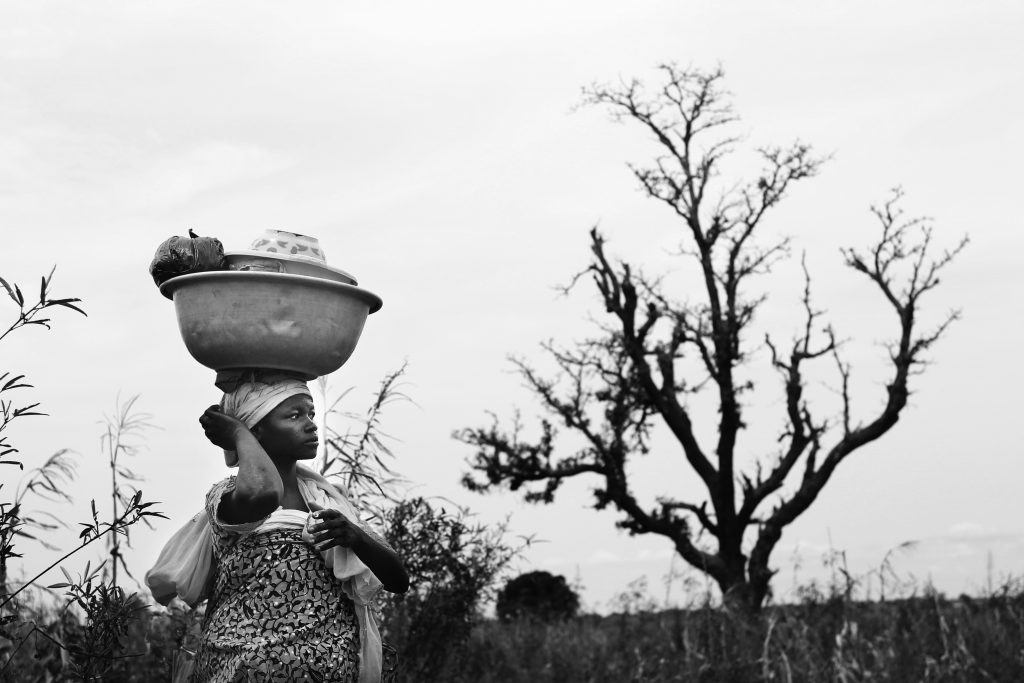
(927, 638)
(923, 638)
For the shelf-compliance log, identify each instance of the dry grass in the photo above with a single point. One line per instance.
(925, 638)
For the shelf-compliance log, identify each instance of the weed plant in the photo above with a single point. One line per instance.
(45, 636)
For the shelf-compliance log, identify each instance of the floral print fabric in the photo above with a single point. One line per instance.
(276, 612)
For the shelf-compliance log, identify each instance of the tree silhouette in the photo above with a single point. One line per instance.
(653, 353)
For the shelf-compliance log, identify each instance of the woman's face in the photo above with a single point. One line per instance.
(289, 430)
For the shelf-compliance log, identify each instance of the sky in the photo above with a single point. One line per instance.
(438, 152)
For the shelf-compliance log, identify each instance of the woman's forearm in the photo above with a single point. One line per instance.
(383, 562)
(258, 483)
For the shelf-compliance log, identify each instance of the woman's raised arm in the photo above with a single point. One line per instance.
(258, 486)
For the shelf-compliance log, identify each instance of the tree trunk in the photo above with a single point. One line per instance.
(739, 594)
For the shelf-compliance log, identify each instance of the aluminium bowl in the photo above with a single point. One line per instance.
(250, 319)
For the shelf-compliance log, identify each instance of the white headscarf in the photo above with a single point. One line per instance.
(250, 397)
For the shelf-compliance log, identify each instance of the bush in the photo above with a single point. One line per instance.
(539, 595)
(453, 566)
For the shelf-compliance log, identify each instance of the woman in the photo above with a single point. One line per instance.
(291, 571)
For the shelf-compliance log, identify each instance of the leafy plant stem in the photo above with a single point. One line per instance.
(114, 527)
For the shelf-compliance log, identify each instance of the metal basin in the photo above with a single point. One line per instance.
(243, 319)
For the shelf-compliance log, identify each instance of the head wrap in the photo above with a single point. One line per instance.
(251, 395)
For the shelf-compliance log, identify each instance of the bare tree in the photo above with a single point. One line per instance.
(612, 390)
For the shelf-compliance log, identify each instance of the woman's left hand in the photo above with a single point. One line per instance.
(331, 529)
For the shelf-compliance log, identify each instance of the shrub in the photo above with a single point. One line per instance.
(453, 567)
(539, 595)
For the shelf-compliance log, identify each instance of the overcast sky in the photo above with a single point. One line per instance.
(437, 152)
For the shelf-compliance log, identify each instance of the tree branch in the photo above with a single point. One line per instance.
(620, 299)
(893, 251)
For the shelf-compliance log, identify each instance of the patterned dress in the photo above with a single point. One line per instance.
(275, 612)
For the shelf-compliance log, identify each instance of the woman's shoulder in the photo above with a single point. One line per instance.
(213, 500)
(332, 485)
(216, 494)
(218, 489)
(222, 483)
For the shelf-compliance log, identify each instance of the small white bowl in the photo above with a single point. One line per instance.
(290, 244)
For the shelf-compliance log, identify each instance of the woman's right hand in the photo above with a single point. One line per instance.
(221, 429)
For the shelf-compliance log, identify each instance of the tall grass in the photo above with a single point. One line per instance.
(878, 626)
(923, 638)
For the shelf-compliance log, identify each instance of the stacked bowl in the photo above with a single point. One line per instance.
(277, 306)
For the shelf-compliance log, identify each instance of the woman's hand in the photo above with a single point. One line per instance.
(220, 428)
(329, 528)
